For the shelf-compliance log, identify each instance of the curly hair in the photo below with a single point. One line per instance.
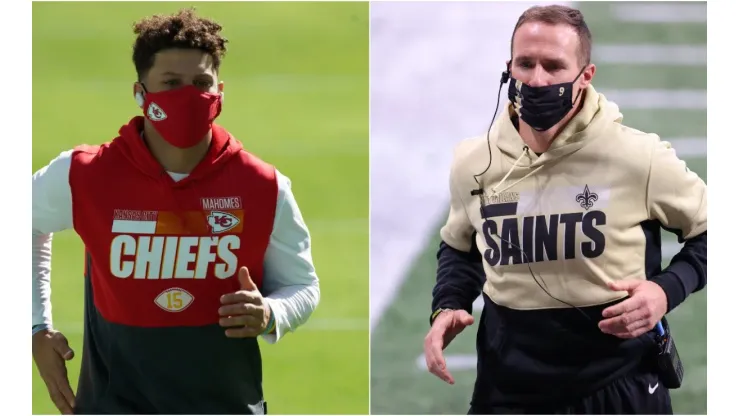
(183, 29)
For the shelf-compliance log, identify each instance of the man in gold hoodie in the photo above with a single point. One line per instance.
(556, 215)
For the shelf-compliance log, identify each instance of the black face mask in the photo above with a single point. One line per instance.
(542, 107)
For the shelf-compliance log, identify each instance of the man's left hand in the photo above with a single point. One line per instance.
(245, 312)
(639, 313)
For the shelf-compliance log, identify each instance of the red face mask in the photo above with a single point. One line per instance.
(182, 116)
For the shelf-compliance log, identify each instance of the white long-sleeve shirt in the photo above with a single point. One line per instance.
(290, 284)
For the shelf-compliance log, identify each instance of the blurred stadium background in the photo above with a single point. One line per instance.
(434, 71)
(296, 78)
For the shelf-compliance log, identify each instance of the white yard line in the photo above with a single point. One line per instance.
(689, 147)
(645, 54)
(657, 99)
(669, 12)
(453, 361)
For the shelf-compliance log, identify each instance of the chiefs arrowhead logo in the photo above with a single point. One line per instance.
(155, 112)
(222, 221)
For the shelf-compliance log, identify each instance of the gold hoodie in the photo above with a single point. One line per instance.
(578, 211)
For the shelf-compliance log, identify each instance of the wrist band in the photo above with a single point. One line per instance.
(436, 313)
(39, 328)
(270, 324)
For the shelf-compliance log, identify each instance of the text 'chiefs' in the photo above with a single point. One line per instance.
(182, 245)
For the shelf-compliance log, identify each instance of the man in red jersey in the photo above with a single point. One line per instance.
(194, 247)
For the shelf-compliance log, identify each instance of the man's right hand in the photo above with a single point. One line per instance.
(444, 329)
(50, 351)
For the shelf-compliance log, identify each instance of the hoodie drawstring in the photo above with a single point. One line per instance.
(516, 165)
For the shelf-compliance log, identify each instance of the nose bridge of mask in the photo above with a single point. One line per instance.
(140, 100)
(537, 75)
(545, 91)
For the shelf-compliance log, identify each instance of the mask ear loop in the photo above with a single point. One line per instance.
(139, 97)
(575, 100)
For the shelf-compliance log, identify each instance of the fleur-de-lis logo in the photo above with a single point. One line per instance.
(587, 198)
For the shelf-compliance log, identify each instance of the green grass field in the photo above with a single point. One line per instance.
(400, 382)
(296, 94)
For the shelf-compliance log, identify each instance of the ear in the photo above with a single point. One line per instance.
(139, 94)
(138, 87)
(588, 75)
(220, 86)
(508, 66)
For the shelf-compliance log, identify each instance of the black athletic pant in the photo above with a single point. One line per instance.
(635, 394)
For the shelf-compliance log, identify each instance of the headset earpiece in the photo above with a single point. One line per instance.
(506, 74)
(505, 77)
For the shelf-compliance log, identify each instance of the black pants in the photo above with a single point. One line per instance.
(636, 394)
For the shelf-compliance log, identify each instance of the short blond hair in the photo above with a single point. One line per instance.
(559, 15)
